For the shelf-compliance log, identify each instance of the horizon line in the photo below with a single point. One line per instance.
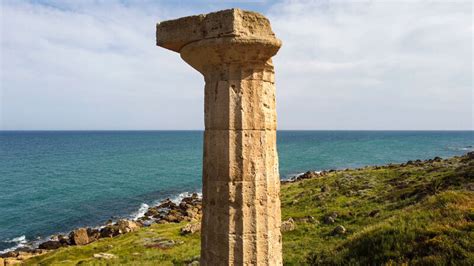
(151, 130)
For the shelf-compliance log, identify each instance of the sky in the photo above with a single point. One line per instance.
(360, 65)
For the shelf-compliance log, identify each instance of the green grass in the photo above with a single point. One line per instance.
(425, 217)
(133, 249)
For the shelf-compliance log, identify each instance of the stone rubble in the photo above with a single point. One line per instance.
(190, 209)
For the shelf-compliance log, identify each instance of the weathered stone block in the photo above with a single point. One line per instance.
(241, 187)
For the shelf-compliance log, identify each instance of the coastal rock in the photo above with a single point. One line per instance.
(106, 256)
(50, 245)
(126, 226)
(9, 254)
(2, 261)
(194, 213)
(145, 222)
(339, 230)
(191, 228)
(79, 237)
(168, 204)
(470, 155)
(308, 175)
(172, 218)
(152, 212)
(93, 234)
(109, 231)
(64, 240)
(288, 225)
(12, 261)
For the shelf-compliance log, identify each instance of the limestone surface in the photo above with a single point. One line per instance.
(232, 49)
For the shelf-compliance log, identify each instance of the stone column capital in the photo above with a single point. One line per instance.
(225, 37)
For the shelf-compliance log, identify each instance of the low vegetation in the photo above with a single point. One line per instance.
(417, 213)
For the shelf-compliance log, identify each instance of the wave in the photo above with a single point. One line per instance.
(19, 242)
(467, 148)
(293, 177)
(140, 212)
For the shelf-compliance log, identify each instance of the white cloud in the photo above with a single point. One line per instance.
(362, 65)
(374, 65)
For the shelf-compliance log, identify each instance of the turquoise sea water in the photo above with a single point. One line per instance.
(54, 181)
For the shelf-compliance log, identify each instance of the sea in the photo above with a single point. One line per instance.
(55, 181)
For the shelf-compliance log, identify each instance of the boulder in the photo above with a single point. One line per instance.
(51, 244)
(152, 212)
(93, 234)
(161, 243)
(167, 204)
(64, 240)
(193, 213)
(308, 175)
(183, 206)
(126, 226)
(328, 219)
(109, 231)
(339, 230)
(106, 256)
(307, 219)
(172, 218)
(288, 225)
(9, 254)
(470, 155)
(79, 237)
(188, 200)
(191, 228)
(374, 213)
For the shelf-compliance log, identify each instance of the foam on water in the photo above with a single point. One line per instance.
(19, 242)
(140, 212)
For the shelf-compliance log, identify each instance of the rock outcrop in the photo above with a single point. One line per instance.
(79, 237)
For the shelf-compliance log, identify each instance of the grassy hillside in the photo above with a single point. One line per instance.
(417, 213)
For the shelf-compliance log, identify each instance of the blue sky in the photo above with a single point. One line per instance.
(343, 65)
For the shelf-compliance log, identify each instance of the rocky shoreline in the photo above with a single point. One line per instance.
(188, 209)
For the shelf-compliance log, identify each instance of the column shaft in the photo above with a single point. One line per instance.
(241, 185)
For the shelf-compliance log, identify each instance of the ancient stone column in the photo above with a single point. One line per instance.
(232, 49)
